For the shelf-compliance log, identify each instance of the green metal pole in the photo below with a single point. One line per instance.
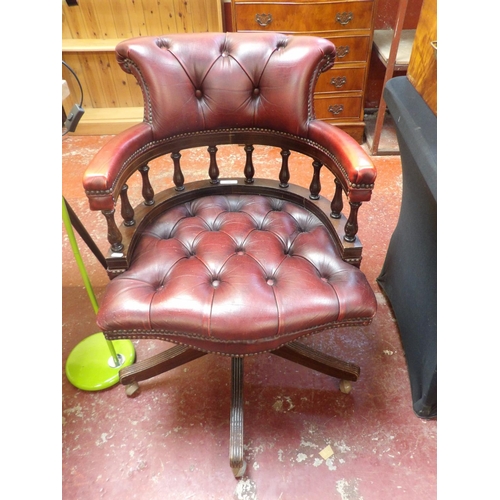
(83, 272)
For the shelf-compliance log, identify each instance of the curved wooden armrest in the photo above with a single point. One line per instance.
(355, 165)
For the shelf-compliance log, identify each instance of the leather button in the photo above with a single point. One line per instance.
(270, 281)
(198, 93)
(215, 283)
(256, 91)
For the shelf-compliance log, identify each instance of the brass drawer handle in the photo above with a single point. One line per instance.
(337, 109)
(342, 51)
(344, 17)
(338, 82)
(263, 19)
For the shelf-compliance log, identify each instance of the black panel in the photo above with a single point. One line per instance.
(409, 273)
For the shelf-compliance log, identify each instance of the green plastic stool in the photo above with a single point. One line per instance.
(94, 364)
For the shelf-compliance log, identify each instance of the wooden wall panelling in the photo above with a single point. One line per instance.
(73, 25)
(105, 17)
(186, 16)
(200, 19)
(90, 19)
(91, 30)
(215, 16)
(74, 62)
(152, 16)
(137, 20)
(121, 19)
(103, 82)
(128, 92)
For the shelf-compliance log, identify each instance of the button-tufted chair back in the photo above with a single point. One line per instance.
(231, 266)
(226, 80)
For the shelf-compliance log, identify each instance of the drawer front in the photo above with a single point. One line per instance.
(292, 17)
(341, 80)
(338, 108)
(350, 49)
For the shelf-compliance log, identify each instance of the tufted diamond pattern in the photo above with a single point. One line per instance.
(226, 80)
(226, 270)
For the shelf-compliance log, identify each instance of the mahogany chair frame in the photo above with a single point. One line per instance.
(123, 237)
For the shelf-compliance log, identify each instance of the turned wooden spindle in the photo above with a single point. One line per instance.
(337, 204)
(147, 190)
(213, 169)
(351, 226)
(315, 186)
(127, 211)
(249, 170)
(114, 235)
(178, 177)
(284, 172)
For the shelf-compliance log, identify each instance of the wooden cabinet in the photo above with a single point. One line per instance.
(339, 95)
(422, 70)
(91, 30)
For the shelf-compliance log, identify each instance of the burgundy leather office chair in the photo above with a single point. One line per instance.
(233, 267)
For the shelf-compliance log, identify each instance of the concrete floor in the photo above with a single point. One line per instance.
(172, 441)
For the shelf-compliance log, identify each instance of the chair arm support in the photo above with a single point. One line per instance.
(101, 179)
(355, 165)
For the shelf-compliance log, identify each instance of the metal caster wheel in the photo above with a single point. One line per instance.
(239, 472)
(345, 386)
(132, 390)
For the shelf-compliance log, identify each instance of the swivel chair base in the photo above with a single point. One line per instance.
(293, 351)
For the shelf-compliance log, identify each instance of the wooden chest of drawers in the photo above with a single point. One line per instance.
(339, 94)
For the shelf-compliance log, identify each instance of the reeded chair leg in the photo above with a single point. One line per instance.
(160, 363)
(324, 363)
(238, 465)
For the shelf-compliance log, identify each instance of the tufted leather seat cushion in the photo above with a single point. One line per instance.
(235, 274)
